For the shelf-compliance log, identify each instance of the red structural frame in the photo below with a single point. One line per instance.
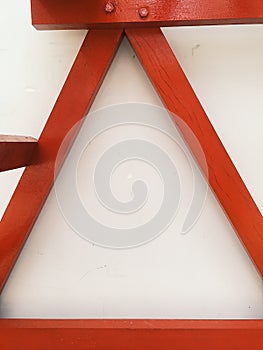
(108, 22)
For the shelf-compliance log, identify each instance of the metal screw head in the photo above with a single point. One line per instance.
(143, 12)
(109, 7)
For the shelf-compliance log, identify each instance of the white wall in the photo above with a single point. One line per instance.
(204, 274)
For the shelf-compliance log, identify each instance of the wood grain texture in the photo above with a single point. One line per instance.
(16, 151)
(75, 99)
(80, 14)
(179, 98)
(131, 334)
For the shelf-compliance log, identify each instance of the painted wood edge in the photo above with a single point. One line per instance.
(82, 14)
(132, 334)
(16, 151)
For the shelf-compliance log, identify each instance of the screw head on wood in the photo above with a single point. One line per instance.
(109, 7)
(143, 12)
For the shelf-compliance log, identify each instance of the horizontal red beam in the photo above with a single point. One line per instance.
(81, 14)
(131, 334)
(16, 151)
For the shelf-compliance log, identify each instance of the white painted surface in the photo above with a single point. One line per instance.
(205, 274)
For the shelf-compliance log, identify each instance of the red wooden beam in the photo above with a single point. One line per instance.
(131, 334)
(75, 99)
(179, 98)
(16, 151)
(80, 14)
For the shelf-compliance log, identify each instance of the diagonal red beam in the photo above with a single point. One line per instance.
(131, 334)
(80, 14)
(75, 99)
(16, 151)
(178, 96)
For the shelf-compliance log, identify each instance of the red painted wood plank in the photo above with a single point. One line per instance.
(71, 106)
(131, 334)
(16, 151)
(178, 96)
(80, 14)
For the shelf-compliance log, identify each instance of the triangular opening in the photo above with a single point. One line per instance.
(8, 182)
(204, 274)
